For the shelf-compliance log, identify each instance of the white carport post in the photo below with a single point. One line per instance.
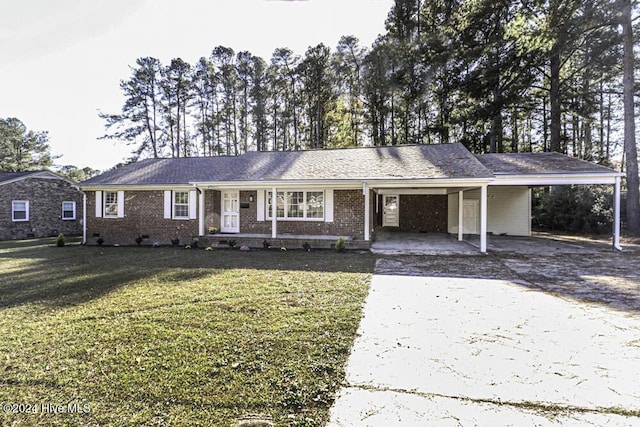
(616, 215)
(460, 215)
(483, 218)
(274, 213)
(367, 212)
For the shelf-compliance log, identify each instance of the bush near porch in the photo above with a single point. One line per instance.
(573, 208)
(168, 336)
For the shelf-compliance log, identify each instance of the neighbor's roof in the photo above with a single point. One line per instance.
(443, 161)
(540, 164)
(12, 176)
(9, 177)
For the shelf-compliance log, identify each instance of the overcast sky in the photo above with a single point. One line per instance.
(61, 61)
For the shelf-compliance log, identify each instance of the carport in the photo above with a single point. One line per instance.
(552, 169)
(496, 205)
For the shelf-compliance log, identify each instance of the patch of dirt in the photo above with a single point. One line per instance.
(604, 278)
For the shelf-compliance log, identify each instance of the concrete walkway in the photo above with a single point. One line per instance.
(439, 351)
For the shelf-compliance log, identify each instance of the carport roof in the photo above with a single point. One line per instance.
(540, 164)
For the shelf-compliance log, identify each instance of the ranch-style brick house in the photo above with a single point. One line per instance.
(39, 204)
(315, 196)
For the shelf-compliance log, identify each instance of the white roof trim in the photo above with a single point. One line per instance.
(556, 179)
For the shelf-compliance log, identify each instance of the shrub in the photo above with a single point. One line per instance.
(100, 241)
(341, 244)
(575, 209)
(60, 240)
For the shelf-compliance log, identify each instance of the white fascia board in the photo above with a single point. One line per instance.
(348, 184)
(555, 179)
(268, 185)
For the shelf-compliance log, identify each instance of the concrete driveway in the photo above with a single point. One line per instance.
(487, 350)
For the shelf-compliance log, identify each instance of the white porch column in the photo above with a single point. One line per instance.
(483, 218)
(274, 213)
(460, 215)
(616, 215)
(201, 230)
(84, 218)
(367, 212)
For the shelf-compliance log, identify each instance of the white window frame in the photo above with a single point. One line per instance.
(14, 210)
(104, 204)
(175, 205)
(170, 204)
(73, 211)
(282, 195)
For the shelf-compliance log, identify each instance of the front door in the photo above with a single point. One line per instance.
(230, 213)
(390, 211)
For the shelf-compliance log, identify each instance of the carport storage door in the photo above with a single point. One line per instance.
(230, 222)
(390, 214)
(471, 216)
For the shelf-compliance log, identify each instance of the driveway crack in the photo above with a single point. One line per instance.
(540, 407)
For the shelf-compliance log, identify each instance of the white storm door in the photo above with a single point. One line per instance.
(390, 211)
(230, 212)
(471, 216)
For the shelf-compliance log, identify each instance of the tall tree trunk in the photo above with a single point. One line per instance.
(630, 149)
(556, 109)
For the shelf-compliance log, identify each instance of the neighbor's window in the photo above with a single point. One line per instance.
(68, 211)
(297, 204)
(110, 203)
(181, 204)
(20, 210)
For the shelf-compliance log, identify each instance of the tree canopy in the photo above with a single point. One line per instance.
(22, 149)
(498, 76)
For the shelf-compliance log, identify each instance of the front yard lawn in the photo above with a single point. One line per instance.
(115, 336)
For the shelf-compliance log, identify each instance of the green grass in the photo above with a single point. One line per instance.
(173, 337)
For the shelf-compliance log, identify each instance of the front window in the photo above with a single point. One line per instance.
(297, 205)
(181, 204)
(110, 203)
(68, 210)
(20, 210)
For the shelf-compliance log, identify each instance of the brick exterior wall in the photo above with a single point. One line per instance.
(143, 216)
(423, 213)
(420, 213)
(144, 211)
(45, 196)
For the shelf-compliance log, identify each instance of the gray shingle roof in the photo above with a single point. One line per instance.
(445, 161)
(168, 171)
(539, 164)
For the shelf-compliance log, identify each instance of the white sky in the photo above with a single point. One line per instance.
(61, 61)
